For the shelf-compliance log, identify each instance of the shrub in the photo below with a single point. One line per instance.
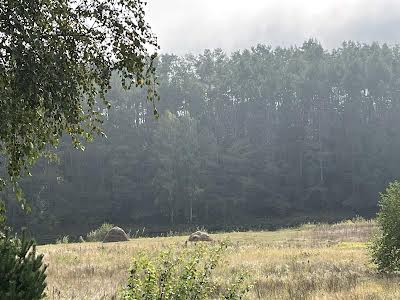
(63, 240)
(181, 275)
(386, 247)
(22, 272)
(99, 234)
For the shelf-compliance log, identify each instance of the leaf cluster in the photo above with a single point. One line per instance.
(386, 247)
(56, 61)
(186, 274)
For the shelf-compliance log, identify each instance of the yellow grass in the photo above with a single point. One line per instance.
(310, 262)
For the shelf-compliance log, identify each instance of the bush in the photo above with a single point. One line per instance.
(386, 247)
(180, 276)
(22, 272)
(99, 234)
(63, 240)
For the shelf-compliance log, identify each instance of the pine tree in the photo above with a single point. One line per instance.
(22, 272)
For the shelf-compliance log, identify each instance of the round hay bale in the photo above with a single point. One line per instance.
(199, 236)
(116, 234)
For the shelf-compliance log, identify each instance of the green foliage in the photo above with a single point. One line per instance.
(177, 153)
(386, 247)
(238, 289)
(22, 272)
(2, 216)
(63, 240)
(56, 62)
(182, 275)
(99, 234)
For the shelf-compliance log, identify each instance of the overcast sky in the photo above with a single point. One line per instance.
(184, 26)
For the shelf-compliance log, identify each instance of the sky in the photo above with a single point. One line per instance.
(190, 26)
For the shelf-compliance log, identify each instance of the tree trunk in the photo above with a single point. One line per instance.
(191, 210)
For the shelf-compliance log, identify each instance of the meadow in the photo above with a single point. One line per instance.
(308, 262)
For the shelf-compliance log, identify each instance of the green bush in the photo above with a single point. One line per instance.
(63, 240)
(22, 272)
(386, 247)
(99, 234)
(182, 275)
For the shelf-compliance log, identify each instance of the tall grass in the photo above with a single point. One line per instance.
(310, 262)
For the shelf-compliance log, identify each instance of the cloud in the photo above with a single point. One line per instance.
(184, 26)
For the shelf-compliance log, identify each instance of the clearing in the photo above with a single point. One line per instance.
(309, 262)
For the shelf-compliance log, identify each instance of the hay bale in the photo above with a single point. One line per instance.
(115, 234)
(199, 236)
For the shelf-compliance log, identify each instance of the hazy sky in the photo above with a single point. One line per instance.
(184, 26)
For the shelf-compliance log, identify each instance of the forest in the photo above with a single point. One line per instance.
(258, 138)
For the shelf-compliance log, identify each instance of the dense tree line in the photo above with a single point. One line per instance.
(248, 138)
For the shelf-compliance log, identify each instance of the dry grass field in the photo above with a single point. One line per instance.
(310, 262)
